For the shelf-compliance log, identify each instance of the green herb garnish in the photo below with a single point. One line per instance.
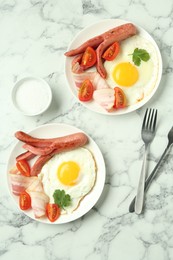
(138, 55)
(61, 198)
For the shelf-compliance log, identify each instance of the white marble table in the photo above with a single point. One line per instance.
(34, 36)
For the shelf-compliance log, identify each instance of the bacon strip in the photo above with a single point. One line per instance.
(20, 183)
(97, 81)
(38, 203)
(75, 66)
(14, 170)
(38, 198)
(36, 185)
(105, 98)
(79, 78)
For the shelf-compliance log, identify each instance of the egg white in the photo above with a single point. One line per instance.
(148, 71)
(84, 183)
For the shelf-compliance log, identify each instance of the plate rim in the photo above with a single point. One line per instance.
(126, 110)
(98, 180)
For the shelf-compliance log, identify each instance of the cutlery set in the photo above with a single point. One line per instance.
(147, 133)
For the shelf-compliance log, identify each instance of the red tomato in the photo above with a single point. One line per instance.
(86, 91)
(24, 200)
(120, 98)
(88, 58)
(111, 52)
(52, 211)
(23, 167)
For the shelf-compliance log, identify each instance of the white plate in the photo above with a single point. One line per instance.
(97, 29)
(55, 130)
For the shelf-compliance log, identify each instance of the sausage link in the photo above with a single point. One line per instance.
(39, 150)
(93, 42)
(28, 139)
(121, 33)
(78, 140)
(97, 40)
(25, 156)
(40, 142)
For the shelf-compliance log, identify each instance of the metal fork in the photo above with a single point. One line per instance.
(147, 134)
(155, 170)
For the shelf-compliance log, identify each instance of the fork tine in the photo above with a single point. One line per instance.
(155, 119)
(151, 120)
(148, 119)
(144, 120)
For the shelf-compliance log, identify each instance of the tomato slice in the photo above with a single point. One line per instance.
(86, 91)
(111, 52)
(23, 167)
(24, 200)
(52, 211)
(120, 98)
(88, 58)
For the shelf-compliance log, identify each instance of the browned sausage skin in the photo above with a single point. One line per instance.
(45, 142)
(93, 42)
(39, 150)
(119, 35)
(47, 148)
(25, 156)
(97, 40)
(36, 168)
(70, 144)
(26, 138)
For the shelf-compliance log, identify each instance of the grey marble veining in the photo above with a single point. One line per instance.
(34, 36)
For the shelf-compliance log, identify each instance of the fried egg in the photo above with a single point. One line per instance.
(137, 82)
(72, 171)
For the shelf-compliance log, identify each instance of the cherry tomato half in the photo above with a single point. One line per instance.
(24, 200)
(88, 58)
(52, 212)
(120, 98)
(23, 167)
(86, 91)
(111, 52)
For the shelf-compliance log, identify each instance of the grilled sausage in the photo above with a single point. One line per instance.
(119, 31)
(71, 142)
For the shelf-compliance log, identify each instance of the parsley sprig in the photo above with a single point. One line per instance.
(138, 55)
(61, 198)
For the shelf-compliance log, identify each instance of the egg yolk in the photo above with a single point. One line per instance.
(125, 74)
(68, 173)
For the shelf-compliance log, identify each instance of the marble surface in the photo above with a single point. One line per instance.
(34, 36)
